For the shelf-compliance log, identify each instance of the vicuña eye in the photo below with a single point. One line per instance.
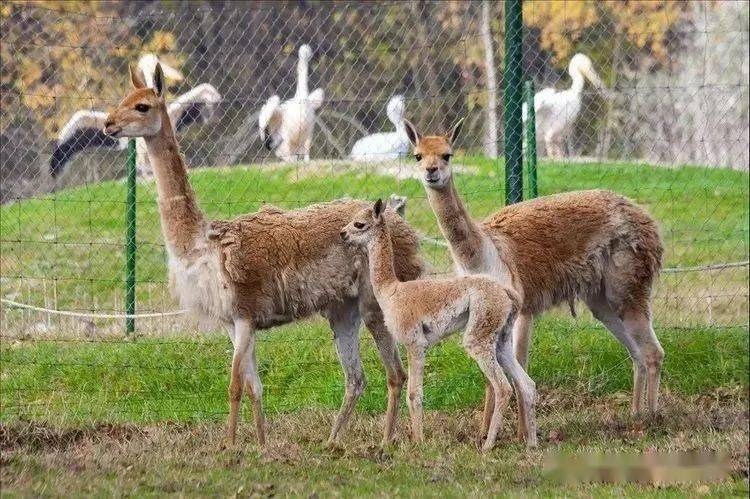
(359, 225)
(447, 157)
(418, 157)
(142, 108)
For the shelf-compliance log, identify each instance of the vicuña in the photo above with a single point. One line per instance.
(421, 313)
(595, 245)
(264, 269)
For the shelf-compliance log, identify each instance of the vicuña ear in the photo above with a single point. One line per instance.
(411, 132)
(136, 78)
(377, 210)
(158, 80)
(455, 130)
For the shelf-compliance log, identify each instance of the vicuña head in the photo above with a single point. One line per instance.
(142, 112)
(359, 230)
(433, 154)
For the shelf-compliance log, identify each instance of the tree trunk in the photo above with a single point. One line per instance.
(490, 123)
(426, 79)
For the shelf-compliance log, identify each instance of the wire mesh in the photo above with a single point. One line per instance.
(659, 113)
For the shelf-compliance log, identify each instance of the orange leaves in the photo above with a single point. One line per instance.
(644, 23)
(561, 24)
(63, 57)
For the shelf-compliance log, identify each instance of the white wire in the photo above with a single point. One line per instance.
(68, 313)
(91, 315)
(699, 268)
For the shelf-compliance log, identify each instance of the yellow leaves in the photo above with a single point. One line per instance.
(59, 64)
(161, 41)
(646, 24)
(31, 72)
(561, 24)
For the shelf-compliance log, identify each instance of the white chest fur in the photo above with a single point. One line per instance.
(491, 263)
(199, 284)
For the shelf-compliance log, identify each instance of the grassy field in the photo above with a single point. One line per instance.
(68, 247)
(147, 417)
(178, 459)
(85, 411)
(184, 378)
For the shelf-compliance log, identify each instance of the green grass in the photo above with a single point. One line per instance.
(185, 379)
(146, 417)
(74, 238)
(84, 411)
(187, 460)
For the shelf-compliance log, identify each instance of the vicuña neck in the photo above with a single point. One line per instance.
(380, 253)
(465, 237)
(182, 221)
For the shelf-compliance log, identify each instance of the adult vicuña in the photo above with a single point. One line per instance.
(594, 245)
(422, 313)
(264, 269)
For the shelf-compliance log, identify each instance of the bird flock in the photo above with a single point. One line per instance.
(286, 128)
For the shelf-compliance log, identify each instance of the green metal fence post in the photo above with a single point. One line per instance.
(531, 139)
(130, 247)
(513, 98)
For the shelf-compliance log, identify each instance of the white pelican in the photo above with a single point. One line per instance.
(84, 129)
(556, 110)
(286, 128)
(385, 145)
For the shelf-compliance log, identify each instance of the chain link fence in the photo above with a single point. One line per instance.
(655, 107)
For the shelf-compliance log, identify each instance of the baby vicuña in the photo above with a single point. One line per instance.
(422, 313)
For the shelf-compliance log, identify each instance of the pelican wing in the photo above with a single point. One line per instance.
(315, 99)
(84, 130)
(194, 106)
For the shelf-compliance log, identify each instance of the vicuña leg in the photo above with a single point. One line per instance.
(521, 341)
(394, 370)
(522, 338)
(489, 408)
(607, 316)
(416, 355)
(345, 320)
(244, 371)
(522, 332)
(525, 388)
(482, 351)
(638, 326)
(253, 385)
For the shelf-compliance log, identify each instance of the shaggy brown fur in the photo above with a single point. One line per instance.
(422, 313)
(265, 269)
(290, 264)
(593, 245)
(597, 236)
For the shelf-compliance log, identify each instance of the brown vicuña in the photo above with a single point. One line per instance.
(422, 313)
(595, 245)
(267, 268)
